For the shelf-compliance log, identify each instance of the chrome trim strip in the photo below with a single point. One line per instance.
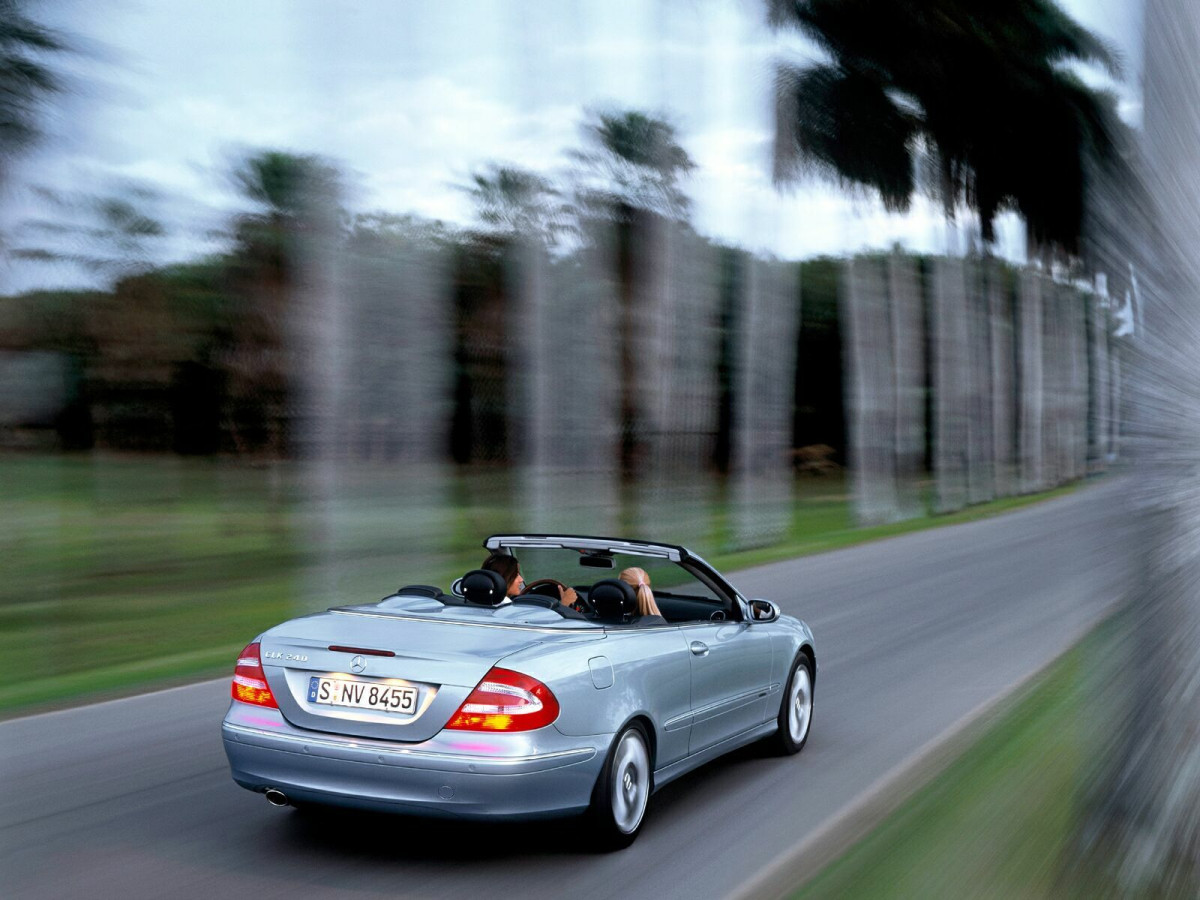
(729, 704)
(424, 759)
(678, 722)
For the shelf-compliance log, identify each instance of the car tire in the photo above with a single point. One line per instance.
(622, 792)
(795, 709)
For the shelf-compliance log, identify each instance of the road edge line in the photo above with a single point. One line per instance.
(80, 707)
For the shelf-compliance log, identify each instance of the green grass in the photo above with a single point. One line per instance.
(1000, 821)
(125, 572)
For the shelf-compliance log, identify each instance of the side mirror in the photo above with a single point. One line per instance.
(763, 611)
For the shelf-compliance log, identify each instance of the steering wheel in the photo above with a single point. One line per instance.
(556, 590)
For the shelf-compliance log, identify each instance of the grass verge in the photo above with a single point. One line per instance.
(127, 573)
(1000, 821)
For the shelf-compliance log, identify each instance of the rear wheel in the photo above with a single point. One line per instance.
(622, 791)
(796, 710)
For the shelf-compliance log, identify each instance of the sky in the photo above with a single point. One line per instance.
(412, 97)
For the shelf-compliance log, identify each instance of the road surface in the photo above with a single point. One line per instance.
(132, 798)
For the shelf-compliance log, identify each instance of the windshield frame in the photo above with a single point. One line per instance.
(688, 561)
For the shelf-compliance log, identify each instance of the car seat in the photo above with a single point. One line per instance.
(614, 601)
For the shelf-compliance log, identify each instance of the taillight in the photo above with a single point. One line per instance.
(250, 681)
(506, 701)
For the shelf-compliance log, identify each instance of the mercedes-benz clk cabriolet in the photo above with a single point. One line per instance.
(477, 704)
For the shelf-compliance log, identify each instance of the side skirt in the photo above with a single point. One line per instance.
(667, 774)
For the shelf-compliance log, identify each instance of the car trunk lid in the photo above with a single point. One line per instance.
(440, 658)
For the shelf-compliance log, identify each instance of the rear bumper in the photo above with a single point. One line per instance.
(463, 774)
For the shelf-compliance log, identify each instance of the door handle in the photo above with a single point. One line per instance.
(699, 648)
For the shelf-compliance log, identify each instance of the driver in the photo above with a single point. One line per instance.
(509, 569)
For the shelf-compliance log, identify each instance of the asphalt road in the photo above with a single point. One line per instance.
(132, 798)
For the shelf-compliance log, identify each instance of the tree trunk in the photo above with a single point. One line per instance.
(677, 495)
(1052, 358)
(1030, 376)
(908, 356)
(981, 470)
(570, 481)
(951, 391)
(870, 391)
(1116, 395)
(316, 345)
(1079, 383)
(1003, 377)
(765, 382)
(531, 413)
(1098, 377)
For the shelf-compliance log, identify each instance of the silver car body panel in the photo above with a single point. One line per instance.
(700, 688)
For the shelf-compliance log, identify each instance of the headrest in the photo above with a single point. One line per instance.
(483, 587)
(613, 600)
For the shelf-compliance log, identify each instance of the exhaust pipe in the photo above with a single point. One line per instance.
(276, 797)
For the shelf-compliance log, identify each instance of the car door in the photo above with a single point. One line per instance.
(730, 675)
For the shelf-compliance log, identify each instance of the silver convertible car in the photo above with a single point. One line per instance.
(480, 705)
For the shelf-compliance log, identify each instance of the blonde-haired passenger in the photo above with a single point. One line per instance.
(640, 582)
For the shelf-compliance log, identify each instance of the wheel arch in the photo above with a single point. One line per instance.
(643, 719)
(806, 650)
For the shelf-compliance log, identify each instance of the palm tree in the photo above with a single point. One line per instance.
(629, 177)
(528, 215)
(26, 81)
(275, 344)
(634, 162)
(950, 80)
(521, 204)
(109, 234)
(976, 93)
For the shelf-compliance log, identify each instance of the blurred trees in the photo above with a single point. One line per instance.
(980, 93)
(519, 203)
(111, 234)
(402, 337)
(262, 354)
(1146, 834)
(630, 176)
(27, 78)
(633, 162)
(525, 215)
(976, 104)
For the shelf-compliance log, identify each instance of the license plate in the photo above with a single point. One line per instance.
(363, 695)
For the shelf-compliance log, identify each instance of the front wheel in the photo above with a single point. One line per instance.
(796, 710)
(622, 791)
